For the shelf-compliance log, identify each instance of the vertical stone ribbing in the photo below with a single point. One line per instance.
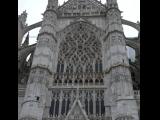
(119, 93)
(42, 66)
(94, 102)
(60, 102)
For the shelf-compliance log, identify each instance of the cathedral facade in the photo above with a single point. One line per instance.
(78, 69)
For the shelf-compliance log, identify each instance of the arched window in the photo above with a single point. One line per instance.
(67, 69)
(97, 107)
(96, 81)
(86, 106)
(65, 81)
(68, 103)
(80, 82)
(100, 67)
(57, 107)
(70, 81)
(101, 81)
(79, 49)
(91, 81)
(62, 68)
(96, 67)
(91, 106)
(102, 107)
(63, 107)
(58, 67)
(86, 82)
(56, 81)
(51, 111)
(76, 81)
(60, 82)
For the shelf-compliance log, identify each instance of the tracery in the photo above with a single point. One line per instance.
(80, 64)
(80, 52)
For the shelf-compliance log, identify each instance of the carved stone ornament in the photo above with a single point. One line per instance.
(77, 112)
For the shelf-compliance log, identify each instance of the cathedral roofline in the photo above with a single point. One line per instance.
(70, 0)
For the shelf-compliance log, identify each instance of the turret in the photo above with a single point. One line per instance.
(112, 4)
(52, 4)
(34, 103)
(22, 18)
(21, 26)
(120, 102)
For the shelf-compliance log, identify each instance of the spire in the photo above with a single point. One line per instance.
(52, 4)
(112, 4)
(26, 42)
(22, 18)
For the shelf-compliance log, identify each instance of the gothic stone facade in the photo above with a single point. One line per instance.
(79, 68)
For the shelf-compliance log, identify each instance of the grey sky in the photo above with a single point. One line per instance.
(35, 8)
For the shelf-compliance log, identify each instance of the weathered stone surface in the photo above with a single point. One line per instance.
(79, 69)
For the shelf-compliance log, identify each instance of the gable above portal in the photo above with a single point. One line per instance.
(77, 112)
(74, 8)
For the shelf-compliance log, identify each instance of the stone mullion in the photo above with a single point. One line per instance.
(94, 102)
(71, 97)
(83, 102)
(88, 105)
(101, 106)
(99, 100)
(66, 102)
(60, 102)
(55, 101)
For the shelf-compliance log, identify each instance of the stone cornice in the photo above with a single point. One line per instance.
(114, 66)
(107, 35)
(50, 10)
(113, 8)
(126, 98)
(90, 16)
(54, 38)
(41, 67)
(80, 87)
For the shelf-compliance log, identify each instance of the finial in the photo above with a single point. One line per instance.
(23, 18)
(112, 3)
(52, 4)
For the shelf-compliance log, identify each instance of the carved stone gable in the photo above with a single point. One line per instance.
(77, 112)
(81, 8)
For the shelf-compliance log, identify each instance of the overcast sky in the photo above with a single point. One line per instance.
(35, 8)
